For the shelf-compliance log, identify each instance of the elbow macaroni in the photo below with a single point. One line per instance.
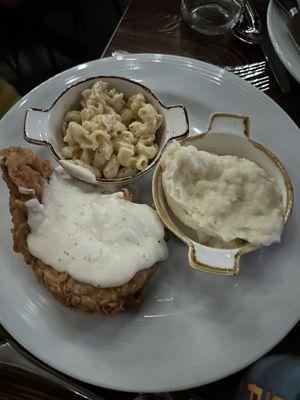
(139, 162)
(149, 151)
(125, 154)
(111, 168)
(111, 136)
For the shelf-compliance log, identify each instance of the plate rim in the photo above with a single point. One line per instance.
(141, 389)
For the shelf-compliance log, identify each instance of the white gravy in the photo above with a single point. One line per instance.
(78, 172)
(99, 239)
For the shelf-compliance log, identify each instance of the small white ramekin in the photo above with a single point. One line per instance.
(43, 127)
(225, 134)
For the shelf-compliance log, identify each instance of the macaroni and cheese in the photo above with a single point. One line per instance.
(112, 136)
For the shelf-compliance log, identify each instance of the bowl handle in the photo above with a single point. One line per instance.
(228, 123)
(178, 122)
(36, 126)
(216, 261)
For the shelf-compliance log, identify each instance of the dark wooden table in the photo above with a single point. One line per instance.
(156, 27)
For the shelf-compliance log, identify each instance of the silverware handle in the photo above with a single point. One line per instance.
(13, 355)
(289, 6)
(276, 66)
(251, 14)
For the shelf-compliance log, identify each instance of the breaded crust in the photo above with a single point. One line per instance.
(21, 167)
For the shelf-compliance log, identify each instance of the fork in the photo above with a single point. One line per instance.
(250, 73)
(11, 354)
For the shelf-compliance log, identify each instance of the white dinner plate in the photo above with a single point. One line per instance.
(191, 328)
(282, 41)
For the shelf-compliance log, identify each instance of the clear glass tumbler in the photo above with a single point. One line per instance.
(211, 17)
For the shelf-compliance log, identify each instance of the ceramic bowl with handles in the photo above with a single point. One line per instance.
(226, 134)
(43, 127)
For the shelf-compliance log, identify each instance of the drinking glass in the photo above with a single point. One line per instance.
(211, 17)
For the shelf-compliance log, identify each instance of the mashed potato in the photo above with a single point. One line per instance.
(225, 199)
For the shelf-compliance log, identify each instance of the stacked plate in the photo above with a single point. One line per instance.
(282, 41)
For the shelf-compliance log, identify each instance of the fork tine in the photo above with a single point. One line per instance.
(250, 74)
(248, 66)
(261, 83)
(245, 68)
(264, 79)
(263, 88)
(250, 71)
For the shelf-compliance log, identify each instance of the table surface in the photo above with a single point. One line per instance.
(151, 26)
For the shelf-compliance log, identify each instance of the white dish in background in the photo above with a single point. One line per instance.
(192, 327)
(281, 39)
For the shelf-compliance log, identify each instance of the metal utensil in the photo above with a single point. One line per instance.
(13, 355)
(291, 8)
(251, 30)
(288, 5)
(251, 73)
(248, 71)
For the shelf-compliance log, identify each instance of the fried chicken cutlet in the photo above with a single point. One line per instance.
(21, 168)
